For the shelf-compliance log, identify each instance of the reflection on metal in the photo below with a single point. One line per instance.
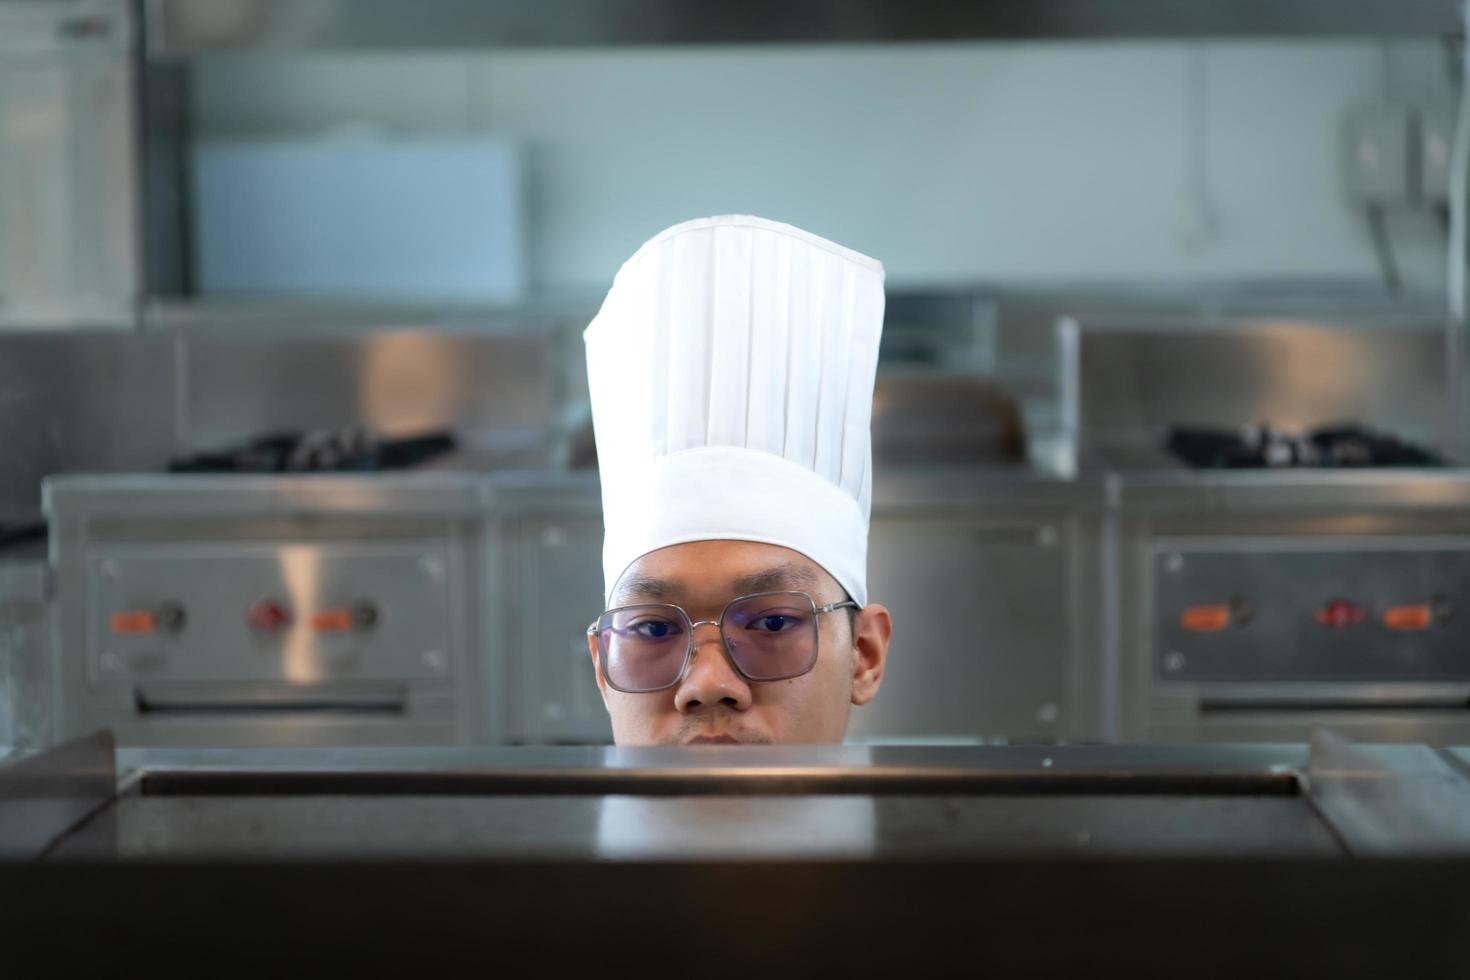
(785, 802)
(736, 828)
(189, 27)
(1127, 381)
(44, 796)
(300, 571)
(1389, 799)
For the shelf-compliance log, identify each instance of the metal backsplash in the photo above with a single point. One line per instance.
(1125, 382)
(497, 393)
(113, 403)
(80, 401)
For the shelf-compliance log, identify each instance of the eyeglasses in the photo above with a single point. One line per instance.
(769, 636)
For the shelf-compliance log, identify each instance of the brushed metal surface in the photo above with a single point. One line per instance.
(81, 401)
(1282, 584)
(1418, 512)
(1130, 380)
(982, 642)
(69, 227)
(495, 392)
(723, 827)
(214, 585)
(1389, 799)
(25, 655)
(44, 796)
(217, 546)
(559, 574)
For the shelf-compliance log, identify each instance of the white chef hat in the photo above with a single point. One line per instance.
(731, 375)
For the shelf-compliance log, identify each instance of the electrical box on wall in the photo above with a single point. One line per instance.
(1378, 155)
(1436, 136)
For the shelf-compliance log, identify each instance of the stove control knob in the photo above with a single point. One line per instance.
(171, 616)
(268, 615)
(1340, 613)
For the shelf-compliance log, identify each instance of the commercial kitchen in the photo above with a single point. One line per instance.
(302, 519)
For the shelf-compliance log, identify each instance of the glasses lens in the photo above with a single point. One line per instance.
(643, 647)
(772, 636)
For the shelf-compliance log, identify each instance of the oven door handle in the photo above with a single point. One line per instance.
(269, 699)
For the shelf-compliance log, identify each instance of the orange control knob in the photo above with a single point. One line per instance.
(332, 620)
(1409, 618)
(133, 621)
(1206, 619)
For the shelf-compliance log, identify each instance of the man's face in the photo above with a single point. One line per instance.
(712, 702)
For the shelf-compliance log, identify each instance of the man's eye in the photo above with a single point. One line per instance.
(774, 623)
(654, 629)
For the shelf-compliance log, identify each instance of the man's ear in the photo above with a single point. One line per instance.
(597, 668)
(870, 651)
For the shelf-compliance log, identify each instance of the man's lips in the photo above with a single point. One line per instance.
(713, 740)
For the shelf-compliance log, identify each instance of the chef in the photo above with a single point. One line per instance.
(731, 375)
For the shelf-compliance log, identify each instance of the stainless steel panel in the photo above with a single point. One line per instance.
(1389, 799)
(982, 640)
(1386, 513)
(214, 584)
(25, 656)
(68, 202)
(560, 591)
(70, 402)
(1130, 379)
(1278, 586)
(44, 796)
(497, 393)
(180, 28)
(418, 681)
(722, 827)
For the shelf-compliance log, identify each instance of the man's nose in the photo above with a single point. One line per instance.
(711, 679)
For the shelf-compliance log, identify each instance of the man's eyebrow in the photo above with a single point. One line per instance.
(786, 577)
(646, 587)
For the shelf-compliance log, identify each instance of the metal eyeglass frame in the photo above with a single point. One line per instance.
(691, 624)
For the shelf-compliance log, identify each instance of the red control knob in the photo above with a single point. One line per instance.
(1340, 613)
(268, 614)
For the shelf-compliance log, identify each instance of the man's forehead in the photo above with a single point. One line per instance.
(717, 570)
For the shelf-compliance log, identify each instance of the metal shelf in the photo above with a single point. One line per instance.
(183, 28)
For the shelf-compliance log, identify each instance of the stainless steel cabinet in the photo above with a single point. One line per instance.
(982, 635)
(68, 188)
(544, 552)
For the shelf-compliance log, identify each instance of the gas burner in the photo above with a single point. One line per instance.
(1346, 446)
(350, 450)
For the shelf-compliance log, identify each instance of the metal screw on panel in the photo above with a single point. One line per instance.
(1048, 713)
(109, 663)
(553, 537)
(436, 661)
(1046, 536)
(1174, 564)
(432, 566)
(1173, 661)
(554, 711)
(1083, 838)
(108, 568)
(1046, 763)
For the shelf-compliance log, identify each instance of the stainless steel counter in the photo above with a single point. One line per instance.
(741, 860)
